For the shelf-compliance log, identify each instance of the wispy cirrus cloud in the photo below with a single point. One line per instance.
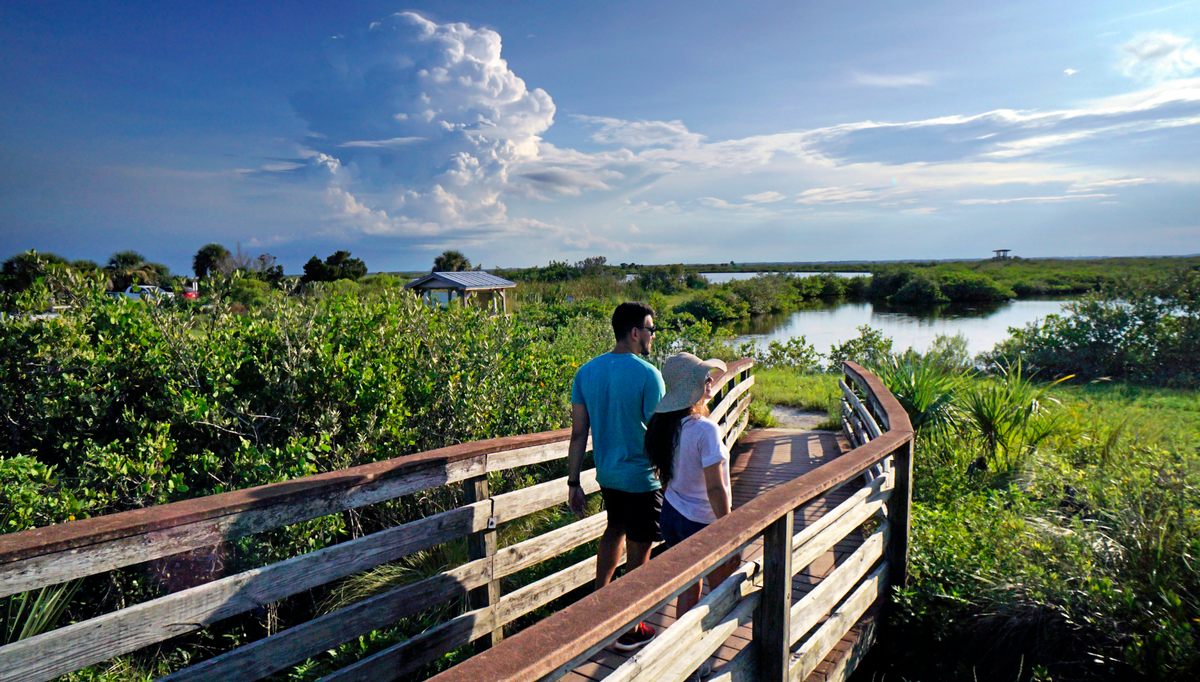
(1158, 56)
(1050, 199)
(893, 80)
(641, 133)
(840, 195)
(768, 197)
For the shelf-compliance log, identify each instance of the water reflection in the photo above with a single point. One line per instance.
(825, 325)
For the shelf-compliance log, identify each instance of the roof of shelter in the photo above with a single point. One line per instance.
(471, 279)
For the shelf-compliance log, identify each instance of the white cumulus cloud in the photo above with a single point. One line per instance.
(420, 125)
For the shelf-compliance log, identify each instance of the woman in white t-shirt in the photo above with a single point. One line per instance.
(685, 447)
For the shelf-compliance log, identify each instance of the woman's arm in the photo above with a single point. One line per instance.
(718, 496)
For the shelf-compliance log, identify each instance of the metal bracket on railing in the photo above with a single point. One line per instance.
(491, 524)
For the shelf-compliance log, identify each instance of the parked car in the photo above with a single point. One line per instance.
(143, 292)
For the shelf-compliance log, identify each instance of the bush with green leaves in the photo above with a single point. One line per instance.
(972, 287)
(919, 290)
(1148, 335)
(718, 306)
(141, 404)
(796, 353)
(870, 349)
(766, 293)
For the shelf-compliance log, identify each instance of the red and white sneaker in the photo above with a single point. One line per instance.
(635, 639)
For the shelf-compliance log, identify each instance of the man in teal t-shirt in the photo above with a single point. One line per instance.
(614, 396)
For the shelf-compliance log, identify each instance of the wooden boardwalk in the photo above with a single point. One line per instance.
(763, 459)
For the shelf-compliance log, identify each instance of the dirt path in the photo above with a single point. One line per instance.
(793, 418)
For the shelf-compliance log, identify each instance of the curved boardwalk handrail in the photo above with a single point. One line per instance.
(52, 554)
(566, 638)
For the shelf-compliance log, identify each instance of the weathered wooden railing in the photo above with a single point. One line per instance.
(47, 556)
(790, 640)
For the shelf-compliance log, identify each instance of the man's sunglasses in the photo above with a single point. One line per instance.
(649, 329)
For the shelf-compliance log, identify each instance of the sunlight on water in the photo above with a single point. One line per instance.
(983, 327)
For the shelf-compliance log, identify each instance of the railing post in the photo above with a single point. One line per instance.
(773, 621)
(899, 516)
(480, 545)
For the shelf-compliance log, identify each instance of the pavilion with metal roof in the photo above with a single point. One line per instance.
(471, 286)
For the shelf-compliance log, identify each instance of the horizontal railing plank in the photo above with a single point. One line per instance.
(732, 417)
(833, 526)
(402, 659)
(733, 434)
(817, 647)
(53, 554)
(546, 546)
(888, 411)
(813, 607)
(307, 639)
(732, 371)
(728, 401)
(535, 498)
(265, 656)
(534, 454)
(72, 647)
(671, 654)
(864, 415)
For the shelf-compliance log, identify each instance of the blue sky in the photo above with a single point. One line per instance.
(524, 132)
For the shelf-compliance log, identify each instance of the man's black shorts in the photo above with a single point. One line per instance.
(636, 514)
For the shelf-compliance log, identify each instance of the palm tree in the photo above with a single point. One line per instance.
(129, 267)
(451, 261)
(209, 259)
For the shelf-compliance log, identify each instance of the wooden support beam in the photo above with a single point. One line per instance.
(482, 545)
(772, 622)
(898, 508)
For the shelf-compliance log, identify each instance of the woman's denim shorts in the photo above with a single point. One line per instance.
(675, 526)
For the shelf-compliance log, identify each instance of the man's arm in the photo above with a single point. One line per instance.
(580, 424)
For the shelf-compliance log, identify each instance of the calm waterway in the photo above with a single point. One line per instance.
(723, 277)
(826, 326)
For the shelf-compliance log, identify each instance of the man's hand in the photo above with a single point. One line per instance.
(576, 499)
(580, 424)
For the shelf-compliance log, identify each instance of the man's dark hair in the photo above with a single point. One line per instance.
(629, 315)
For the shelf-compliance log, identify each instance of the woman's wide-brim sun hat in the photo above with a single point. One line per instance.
(684, 375)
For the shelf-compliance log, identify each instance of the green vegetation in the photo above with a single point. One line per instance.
(451, 261)
(813, 392)
(1055, 522)
(336, 266)
(117, 405)
(1148, 334)
(1055, 526)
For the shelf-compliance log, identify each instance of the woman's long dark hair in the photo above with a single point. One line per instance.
(662, 435)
